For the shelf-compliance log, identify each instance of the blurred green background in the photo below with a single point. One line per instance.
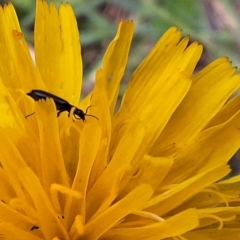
(214, 23)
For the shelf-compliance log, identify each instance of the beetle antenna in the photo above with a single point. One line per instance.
(87, 109)
(89, 115)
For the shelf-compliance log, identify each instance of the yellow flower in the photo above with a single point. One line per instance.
(153, 170)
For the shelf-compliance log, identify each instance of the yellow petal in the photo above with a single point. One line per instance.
(154, 170)
(153, 94)
(225, 138)
(100, 100)
(172, 198)
(20, 73)
(174, 226)
(14, 217)
(11, 232)
(119, 164)
(84, 168)
(214, 234)
(210, 90)
(57, 49)
(52, 162)
(115, 60)
(48, 221)
(226, 112)
(151, 170)
(133, 201)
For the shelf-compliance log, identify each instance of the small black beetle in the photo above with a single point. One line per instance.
(61, 104)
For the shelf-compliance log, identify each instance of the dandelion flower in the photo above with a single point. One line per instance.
(152, 170)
